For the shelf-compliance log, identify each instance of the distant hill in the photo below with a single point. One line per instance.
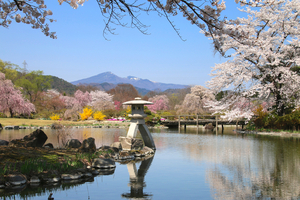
(109, 77)
(103, 86)
(62, 86)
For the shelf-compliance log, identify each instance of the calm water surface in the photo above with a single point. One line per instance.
(186, 165)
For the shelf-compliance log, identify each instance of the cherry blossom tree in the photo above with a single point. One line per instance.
(101, 100)
(118, 105)
(12, 100)
(261, 60)
(82, 99)
(160, 102)
(76, 104)
(194, 103)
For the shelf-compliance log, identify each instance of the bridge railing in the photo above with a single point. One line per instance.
(190, 117)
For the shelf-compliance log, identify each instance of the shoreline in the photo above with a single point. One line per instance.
(264, 133)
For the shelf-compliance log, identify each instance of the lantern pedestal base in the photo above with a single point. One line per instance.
(139, 124)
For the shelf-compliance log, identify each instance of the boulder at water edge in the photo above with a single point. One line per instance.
(16, 179)
(73, 143)
(88, 145)
(102, 163)
(3, 143)
(35, 139)
(131, 143)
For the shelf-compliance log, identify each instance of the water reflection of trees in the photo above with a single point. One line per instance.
(263, 168)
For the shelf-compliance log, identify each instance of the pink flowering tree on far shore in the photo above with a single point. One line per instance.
(118, 105)
(76, 104)
(100, 100)
(160, 102)
(12, 100)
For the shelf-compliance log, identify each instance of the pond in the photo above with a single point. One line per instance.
(187, 165)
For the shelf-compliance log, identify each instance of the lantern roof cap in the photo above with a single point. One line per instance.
(137, 101)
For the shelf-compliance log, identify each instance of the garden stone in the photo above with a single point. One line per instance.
(34, 180)
(88, 145)
(35, 139)
(3, 142)
(67, 177)
(38, 138)
(131, 143)
(73, 143)
(102, 163)
(8, 127)
(16, 179)
(116, 145)
(2, 182)
(125, 155)
(209, 126)
(56, 126)
(87, 175)
(1, 127)
(49, 145)
(147, 151)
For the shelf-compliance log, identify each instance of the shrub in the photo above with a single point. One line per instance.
(261, 117)
(87, 112)
(55, 117)
(99, 116)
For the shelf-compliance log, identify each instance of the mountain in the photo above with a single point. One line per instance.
(61, 85)
(136, 82)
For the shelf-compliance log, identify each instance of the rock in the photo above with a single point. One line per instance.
(8, 127)
(102, 163)
(35, 139)
(95, 172)
(2, 182)
(16, 179)
(38, 138)
(16, 127)
(56, 126)
(147, 151)
(87, 175)
(209, 126)
(73, 143)
(35, 180)
(49, 145)
(71, 176)
(116, 145)
(1, 126)
(88, 145)
(125, 155)
(131, 143)
(3, 142)
(51, 179)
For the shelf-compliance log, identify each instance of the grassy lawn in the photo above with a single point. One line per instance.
(37, 122)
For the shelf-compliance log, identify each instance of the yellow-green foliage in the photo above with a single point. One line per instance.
(87, 112)
(55, 117)
(261, 117)
(270, 120)
(99, 116)
(128, 111)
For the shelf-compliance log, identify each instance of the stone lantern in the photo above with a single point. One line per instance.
(137, 121)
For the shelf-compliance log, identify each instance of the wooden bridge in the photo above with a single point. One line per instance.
(215, 120)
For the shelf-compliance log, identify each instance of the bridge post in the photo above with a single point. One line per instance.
(179, 122)
(216, 124)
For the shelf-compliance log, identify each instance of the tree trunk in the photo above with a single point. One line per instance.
(11, 113)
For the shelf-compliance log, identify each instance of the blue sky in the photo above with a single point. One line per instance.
(81, 50)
